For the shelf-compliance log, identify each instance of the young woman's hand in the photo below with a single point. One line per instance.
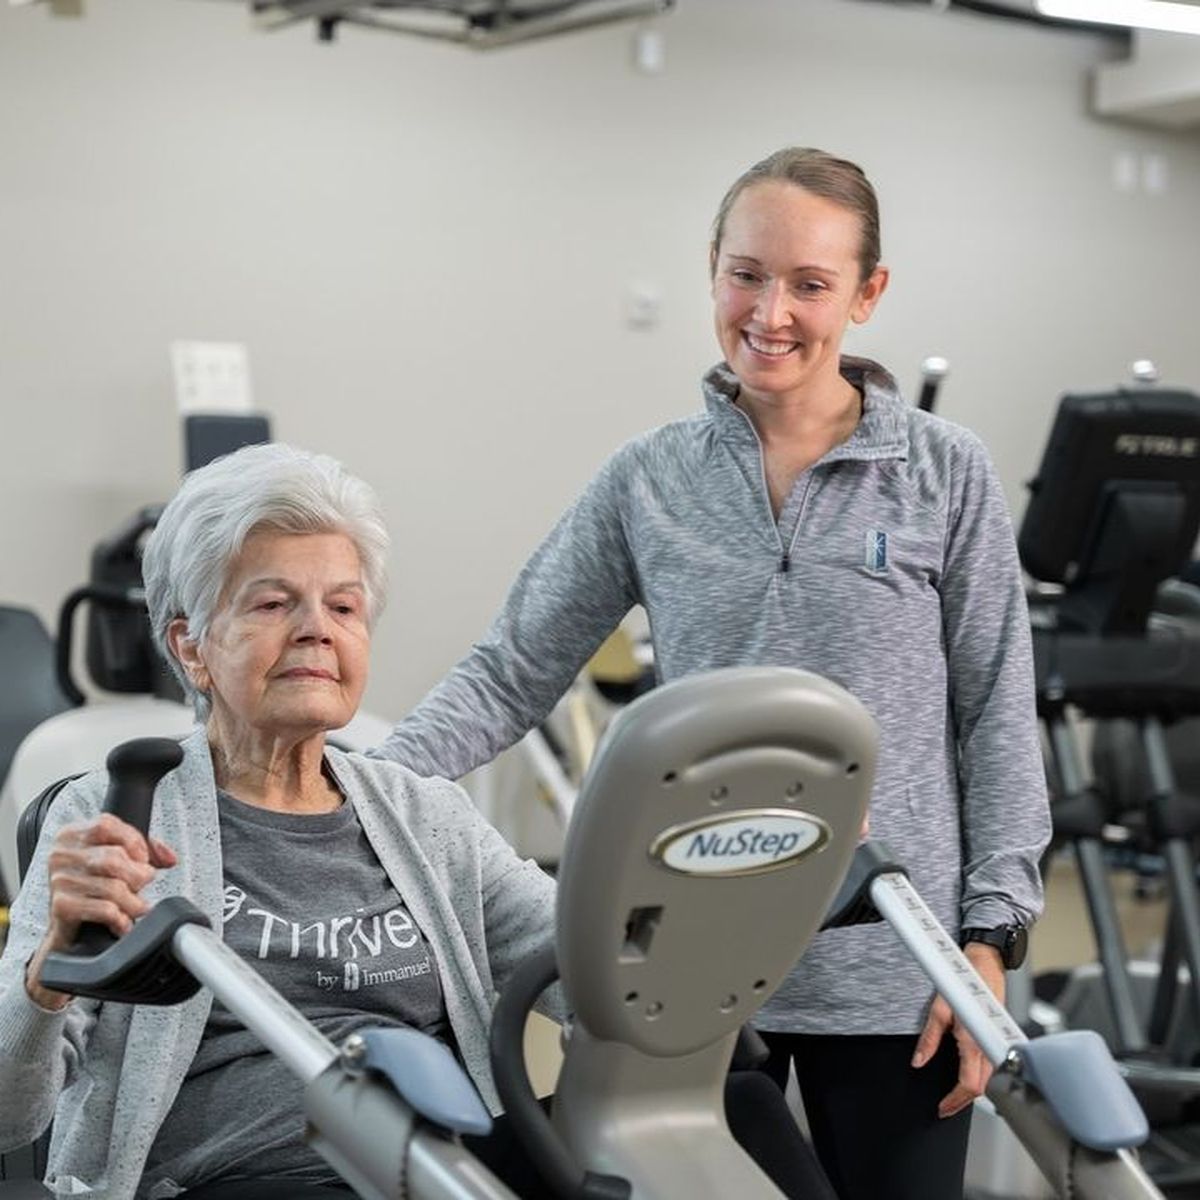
(974, 1070)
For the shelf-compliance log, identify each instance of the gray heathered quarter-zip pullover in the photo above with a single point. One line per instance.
(892, 570)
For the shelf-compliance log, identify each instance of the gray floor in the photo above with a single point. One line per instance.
(1063, 937)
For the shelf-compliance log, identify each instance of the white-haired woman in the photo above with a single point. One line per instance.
(366, 894)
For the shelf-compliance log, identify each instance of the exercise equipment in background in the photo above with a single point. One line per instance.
(1114, 512)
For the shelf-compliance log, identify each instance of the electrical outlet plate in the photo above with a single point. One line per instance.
(211, 377)
(643, 305)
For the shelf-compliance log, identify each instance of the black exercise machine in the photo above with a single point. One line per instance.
(118, 651)
(1115, 511)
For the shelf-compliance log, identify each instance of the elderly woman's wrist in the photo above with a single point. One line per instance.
(42, 997)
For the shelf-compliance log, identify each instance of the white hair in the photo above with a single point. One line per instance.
(264, 487)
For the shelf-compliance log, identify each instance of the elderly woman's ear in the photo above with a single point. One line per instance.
(187, 653)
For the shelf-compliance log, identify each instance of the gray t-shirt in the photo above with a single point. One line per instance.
(308, 904)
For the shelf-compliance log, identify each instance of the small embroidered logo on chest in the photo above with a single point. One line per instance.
(875, 554)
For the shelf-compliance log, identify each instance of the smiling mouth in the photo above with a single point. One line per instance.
(307, 673)
(767, 347)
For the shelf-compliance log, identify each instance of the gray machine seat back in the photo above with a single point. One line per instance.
(713, 829)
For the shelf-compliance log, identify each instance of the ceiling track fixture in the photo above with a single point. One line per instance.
(58, 8)
(479, 24)
(1093, 16)
(1169, 16)
(1022, 11)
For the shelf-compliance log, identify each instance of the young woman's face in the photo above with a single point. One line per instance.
(786, 284)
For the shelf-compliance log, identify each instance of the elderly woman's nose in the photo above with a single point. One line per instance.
(313, 622)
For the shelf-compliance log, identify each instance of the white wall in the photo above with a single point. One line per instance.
(426, 250)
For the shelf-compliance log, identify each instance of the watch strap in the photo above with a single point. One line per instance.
(1010, 940)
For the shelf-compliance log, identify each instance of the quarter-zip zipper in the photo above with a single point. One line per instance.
(786, 562)
(785, 558)
(785, 552)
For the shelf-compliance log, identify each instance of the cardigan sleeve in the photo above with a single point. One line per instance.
(40, 1051)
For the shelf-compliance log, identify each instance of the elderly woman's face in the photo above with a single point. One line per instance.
(287, 649)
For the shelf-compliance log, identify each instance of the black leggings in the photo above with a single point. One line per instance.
(757, 1115)
(873, 1118)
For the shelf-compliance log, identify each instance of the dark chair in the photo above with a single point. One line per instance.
(30, 693)
(29, 826)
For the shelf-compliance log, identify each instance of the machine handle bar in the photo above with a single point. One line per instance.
(547, 1150)
(137, 969)
(108, 594)
(933, 372)
(951, 972)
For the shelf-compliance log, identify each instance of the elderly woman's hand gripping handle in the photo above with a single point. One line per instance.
(98, 868)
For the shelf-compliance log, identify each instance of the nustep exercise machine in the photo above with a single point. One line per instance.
(708, 845)
(711, 835)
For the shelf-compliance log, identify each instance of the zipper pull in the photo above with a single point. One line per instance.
(785, 563)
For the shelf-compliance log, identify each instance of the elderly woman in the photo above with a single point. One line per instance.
(364, 893)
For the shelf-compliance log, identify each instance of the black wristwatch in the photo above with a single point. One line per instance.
(1011, 940)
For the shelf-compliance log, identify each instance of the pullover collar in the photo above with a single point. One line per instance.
(881, 433)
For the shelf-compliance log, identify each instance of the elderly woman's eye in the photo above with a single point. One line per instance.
(741, 275)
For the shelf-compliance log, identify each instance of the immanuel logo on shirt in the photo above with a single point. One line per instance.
(876, 555)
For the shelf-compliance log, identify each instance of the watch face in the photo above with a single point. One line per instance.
(1018, 944)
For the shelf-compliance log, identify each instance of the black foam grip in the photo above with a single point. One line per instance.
(853, 904)
(134, 771)
(138, 969)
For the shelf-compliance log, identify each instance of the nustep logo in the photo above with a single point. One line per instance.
(741, 843)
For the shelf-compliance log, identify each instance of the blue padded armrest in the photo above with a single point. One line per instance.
(428, 1077)
(1076, 1074)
